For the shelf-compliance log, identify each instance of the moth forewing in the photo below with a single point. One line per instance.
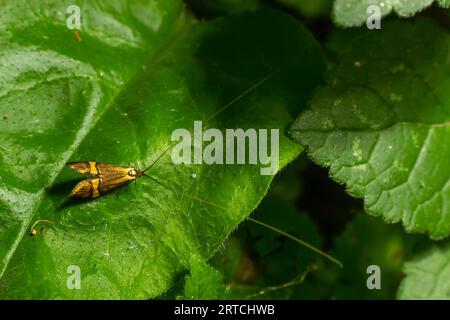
(85, 189)
(87, 167)
(110, 169)
(113, 181)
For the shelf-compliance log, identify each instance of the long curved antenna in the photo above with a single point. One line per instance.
(160, 156)
(281, 232)
(187, 195)
(243, 94)
(253, 87)
(316, 250)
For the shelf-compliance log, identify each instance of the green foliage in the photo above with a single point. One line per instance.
(308, 8)
(427, 274)
(366, 242)
(379, 125)
(382, 125)
(141, 71)
(350, 13)
(203, 282)
(258, 263)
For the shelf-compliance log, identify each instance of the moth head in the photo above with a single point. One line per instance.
(135, 173)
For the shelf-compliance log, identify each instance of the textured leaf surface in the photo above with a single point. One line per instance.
(382, 125)
(204, 282)
(258, 263)
(427, 275)
(350, 13)
(141, 70)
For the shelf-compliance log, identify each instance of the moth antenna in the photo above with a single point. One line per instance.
(274, 229)
(33, 230)
(243, 94)
(160, 156)
(303, 243)
(187, 195)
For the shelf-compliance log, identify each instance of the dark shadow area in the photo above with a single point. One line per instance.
(326, 202)
(243, 50)
(59, 193)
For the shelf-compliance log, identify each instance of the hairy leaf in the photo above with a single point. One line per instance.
(350, 13)
(204, 282)
(427, 274)
(382, 125)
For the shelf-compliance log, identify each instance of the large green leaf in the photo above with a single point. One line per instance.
(427, 274)
(141, 70)
(350, 13)
(382, 125)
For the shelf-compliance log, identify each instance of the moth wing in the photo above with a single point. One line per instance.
(112, 181)
(112, 170)
(83, 190)
(81, 167)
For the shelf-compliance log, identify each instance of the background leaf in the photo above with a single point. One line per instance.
(171, 71)
(427, 274)
(366, 242)
(308, 8)
(351, 13)
(382, 125)
(222, 7)
(305, 8)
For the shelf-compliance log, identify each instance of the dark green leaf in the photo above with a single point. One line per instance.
(382, 125)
